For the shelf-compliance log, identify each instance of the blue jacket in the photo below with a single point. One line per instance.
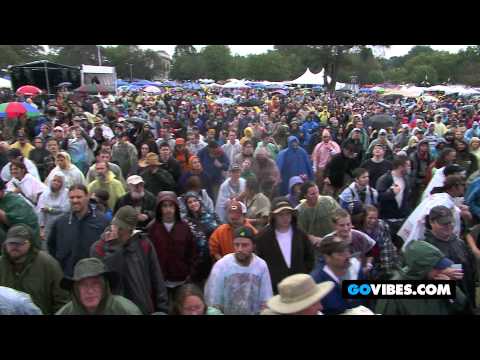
(334, 303)
(213, 172)
(293, 162)
(472, 197)
(308, 128)
(70, 238)
(470, 133)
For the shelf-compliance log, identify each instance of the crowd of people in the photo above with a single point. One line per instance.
(132, 203)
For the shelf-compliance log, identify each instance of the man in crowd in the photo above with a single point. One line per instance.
(298, 295)
(173, 242)
(124, 154)
(214, 163)
(90, 288)
(442, 236)
(232, 148)
(221, 240)
(322, 154)
(315, 213)
(394, 196)
(376, 165)
(106, 181)
(230, 188)
(131, 254)
(139, 198)
(239, 283)
(284, 247)
(23, 267)
(106, 157)
(15, 210)
(168, 163)
(425, 262)
(156, 179)
(73, 234)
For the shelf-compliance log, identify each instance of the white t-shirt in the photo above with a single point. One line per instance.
(168, 226)
(284, 240)
(400, 182)
(237, 289)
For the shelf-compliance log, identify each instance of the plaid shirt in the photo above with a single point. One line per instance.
(389, 259)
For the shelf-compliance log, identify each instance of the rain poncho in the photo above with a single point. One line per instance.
(18, 211)
(293, 162)
(29, 186)
(71, 173)
(56, 204)
(31, 168)
(414, 226)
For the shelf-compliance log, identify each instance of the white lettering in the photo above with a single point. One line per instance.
(376, 288)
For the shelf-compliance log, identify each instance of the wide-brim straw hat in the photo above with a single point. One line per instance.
(297, 293)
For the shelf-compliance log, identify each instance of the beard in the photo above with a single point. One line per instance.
(137, 195)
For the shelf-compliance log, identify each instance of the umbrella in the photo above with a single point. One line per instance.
(136, 120)
(251, 103)
(152, 89)
(92, 89)
(15, 109)
(224, 101)
(281, 92)
(64, 84)
(382, 121)
(28, 90)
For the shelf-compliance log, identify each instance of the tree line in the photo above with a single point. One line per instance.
(285, 62)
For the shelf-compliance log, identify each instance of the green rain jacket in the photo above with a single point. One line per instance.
(420, 258)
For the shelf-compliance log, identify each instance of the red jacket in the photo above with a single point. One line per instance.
(176, 250)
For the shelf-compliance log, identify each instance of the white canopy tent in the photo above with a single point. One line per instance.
(5, 84)
(308, 78)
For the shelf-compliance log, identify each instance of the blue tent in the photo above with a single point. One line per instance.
(121, 82)
(170, 84)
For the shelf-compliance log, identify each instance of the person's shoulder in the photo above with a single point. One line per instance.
(67, 309)
(125, 306)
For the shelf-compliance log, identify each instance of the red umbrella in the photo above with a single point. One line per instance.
(29, 90)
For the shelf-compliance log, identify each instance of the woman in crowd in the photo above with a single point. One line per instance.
(475, 149)
(189, 300)
(465, 158)
(203, 223)
(24, 184)
(258, 205)
(194, 184)
(52, 204)
(384, 253)
(65, 167)
(196, 169)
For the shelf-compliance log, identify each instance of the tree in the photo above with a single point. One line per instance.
(18, 54)
(217, 61)
(186, 63)
(75, 55)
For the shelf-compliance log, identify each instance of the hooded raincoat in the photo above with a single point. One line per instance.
(293, 162)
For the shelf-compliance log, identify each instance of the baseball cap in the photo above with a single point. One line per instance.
(135, 180)
(126, 217)
(57, 128)
(441, 214)
(357, 129)
(244, 232)
(235, 167)
(180, 141)
(19, 234)
(382, 132)
(443, 264)
(237, 207)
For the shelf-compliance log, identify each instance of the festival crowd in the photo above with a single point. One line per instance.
(132, 203)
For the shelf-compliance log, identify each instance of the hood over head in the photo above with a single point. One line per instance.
(421, 257)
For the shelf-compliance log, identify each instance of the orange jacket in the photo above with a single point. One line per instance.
(221, 241)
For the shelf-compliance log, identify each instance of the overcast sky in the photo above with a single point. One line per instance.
(395, 50)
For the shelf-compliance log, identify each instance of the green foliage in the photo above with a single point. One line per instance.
(18, 54)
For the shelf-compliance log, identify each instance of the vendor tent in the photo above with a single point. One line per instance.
(5, 84)
(308, 78)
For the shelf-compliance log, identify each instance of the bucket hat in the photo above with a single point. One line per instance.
(86, 268)
(298, 292)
